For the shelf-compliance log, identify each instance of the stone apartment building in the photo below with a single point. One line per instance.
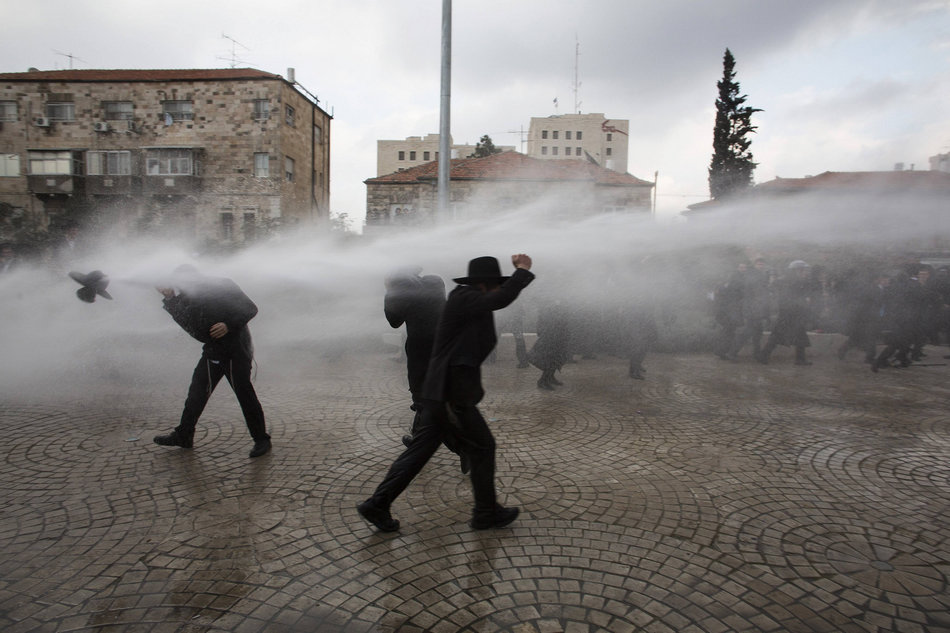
(393, 156)
(200, 156)
(580, 136)
(501, 183)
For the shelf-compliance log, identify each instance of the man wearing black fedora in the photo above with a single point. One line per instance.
(452, 390)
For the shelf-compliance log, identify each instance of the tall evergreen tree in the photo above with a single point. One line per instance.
(731, 168)
(484, 147)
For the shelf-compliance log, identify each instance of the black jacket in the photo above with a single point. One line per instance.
(417, 302)
(209, 300)
(466, 332)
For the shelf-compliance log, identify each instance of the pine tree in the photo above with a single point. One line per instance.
(730, 171)
(484, 147)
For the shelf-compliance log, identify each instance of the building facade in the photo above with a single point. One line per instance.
(393, 156)
(500, 184)
(591, 137)
(218, 156)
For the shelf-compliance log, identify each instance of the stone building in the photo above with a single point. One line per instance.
(393, 156)
(580, 137)
(200, 156)
(501, 183)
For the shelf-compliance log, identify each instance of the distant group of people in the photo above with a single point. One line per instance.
(903, 310)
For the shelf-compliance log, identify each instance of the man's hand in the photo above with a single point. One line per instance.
(168, 292)
(521, 261)
(218, 330)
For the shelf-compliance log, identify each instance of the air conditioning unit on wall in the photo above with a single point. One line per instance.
(100, 126)
(41, 121)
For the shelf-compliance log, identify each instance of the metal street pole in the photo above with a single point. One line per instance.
(445, 151)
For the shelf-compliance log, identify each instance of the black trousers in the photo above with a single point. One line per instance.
(207, 375)
(467, 433)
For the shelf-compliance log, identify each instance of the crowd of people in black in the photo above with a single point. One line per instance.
(888, 315)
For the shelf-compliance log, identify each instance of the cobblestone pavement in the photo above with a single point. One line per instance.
(712, 496)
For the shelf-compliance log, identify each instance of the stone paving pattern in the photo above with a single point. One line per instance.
(711, 497)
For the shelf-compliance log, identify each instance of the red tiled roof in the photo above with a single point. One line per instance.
(842, 182)
(893, 181)
(208, 74)
(514, 166)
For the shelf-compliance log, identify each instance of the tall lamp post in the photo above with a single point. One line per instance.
(445, 152)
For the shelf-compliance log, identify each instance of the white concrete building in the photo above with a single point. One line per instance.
(580, 137)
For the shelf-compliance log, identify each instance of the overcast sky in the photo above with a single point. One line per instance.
(844, 85)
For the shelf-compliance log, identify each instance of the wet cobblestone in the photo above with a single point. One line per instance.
(710, 497)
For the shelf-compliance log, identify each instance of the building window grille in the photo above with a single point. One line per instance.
(170, 162)
(261, 165)
(610, 136)
(54, 163)
(567, 135)
(577, 151)
(65, 111)
(544, 150)
(412, 155)
(118, 163)
(261, 109)
(425, 156)
(290, 116)
(610, 151)
(317, 135)
(250, 226)
(554, 151)
(402, 155)
(227, 226)
(289, 168)
(567, 151)
(578, 135)
(178, 111)
(117, 110)
(8, 111)
(554, 135)
(9, 165)
(544, 134)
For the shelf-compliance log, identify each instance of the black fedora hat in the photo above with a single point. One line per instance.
(93, 284)
(483, 269)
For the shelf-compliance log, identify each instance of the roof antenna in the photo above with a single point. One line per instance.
(234, 44)
(71, 58)
(577, 84)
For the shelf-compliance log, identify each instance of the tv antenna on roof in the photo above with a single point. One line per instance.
(71, 58)
(577, 84)
(234, 44)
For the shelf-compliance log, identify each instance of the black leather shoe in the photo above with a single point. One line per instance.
(383, 521)
(260, 448)
(498, 518)
(407, 440)
(173, 439)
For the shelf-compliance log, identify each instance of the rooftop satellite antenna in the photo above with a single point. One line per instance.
(234, 44)
(71, 58)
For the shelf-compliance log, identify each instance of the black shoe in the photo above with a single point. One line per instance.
(636, 375)
(407, 440)
(383, 521)
(173, 439)
(544, 384)
(260, 448)
(555, 381)
(497, 518)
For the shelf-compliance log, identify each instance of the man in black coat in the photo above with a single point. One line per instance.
(215, 311)
(417, 302)
(453, 388)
